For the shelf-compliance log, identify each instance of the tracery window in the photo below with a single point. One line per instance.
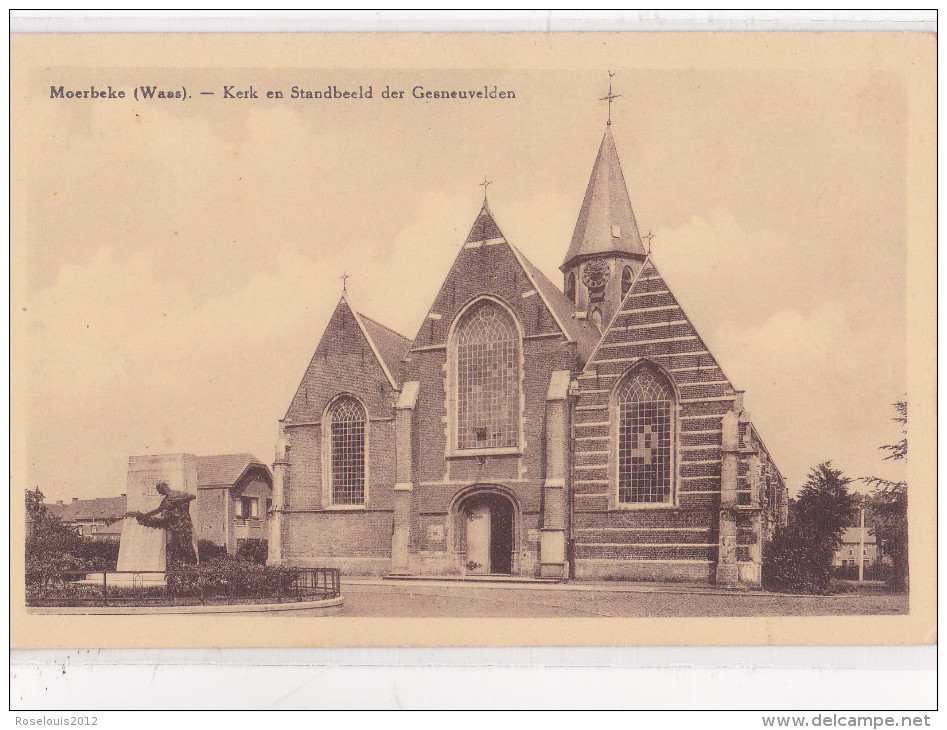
(645, 422)
(347, 439)
(486, 353)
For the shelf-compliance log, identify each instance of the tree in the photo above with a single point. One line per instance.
(825, 507)
(799, 557)
(52, 548)
(889, 506)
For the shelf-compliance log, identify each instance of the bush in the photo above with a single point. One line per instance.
(254, 551)
(99, 554)
(794, 562)
(873, 571)
(207, 551)
(230, 577)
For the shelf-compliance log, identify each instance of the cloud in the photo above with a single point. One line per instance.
(125, 361)
(819, 385)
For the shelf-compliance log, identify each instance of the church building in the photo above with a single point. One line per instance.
(527, 430)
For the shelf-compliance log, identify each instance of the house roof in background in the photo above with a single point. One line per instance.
(224, 469)
(100, 508)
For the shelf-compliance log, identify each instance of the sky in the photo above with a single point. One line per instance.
(181, 259)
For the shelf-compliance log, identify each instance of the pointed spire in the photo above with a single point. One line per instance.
(484, 228)
(606, 221)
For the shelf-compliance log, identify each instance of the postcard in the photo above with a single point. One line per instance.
(473, 339)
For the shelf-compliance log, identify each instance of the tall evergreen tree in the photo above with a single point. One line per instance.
(799, 558)
(825, 507)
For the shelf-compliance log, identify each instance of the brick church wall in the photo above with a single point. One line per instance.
(648, 542)
(482, 270)
(358, 540)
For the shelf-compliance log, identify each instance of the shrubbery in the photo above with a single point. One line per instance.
(794, 562)
(872, 571)
(252, 551)
(255, 551)
(799, 557)
(208, 550)
(231, 577)
(53, 548)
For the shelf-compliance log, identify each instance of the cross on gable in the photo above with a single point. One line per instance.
(484, 185)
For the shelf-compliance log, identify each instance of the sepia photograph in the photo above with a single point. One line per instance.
(413, 340)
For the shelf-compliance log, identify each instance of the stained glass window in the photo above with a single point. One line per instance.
(645, 404)
(347, 445)
(487, 355)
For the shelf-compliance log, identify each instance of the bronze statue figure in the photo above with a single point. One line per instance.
(174, 517)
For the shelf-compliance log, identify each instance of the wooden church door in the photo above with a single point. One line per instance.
(478, 539)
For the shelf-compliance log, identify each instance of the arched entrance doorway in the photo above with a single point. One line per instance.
(485, 524)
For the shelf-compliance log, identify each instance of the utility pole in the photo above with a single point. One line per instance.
(861, 546)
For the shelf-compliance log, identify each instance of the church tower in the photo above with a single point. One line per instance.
(606, 252)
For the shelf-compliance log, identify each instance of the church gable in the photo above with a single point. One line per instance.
(346, 360)
(488, 265)
(651, 324)
(651, 327)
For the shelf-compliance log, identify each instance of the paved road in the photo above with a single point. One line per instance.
(511, 601)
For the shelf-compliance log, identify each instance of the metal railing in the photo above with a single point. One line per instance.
(181, 587)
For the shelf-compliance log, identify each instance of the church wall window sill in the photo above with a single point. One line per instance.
(624, 506)
(468, 453)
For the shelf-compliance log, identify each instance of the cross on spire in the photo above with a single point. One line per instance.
(484, 185)
(344, 278)
(610, 97)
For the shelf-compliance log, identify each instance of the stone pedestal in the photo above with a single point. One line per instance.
(144, 548)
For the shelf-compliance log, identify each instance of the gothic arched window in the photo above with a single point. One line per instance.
(487, 360)
(570, 288)
(347, 452)
(625, 281)
(644, 409)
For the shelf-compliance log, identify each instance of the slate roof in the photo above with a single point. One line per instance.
(100, 508)
(391, 346)
(484, 228)
(582, 332)
(606, 206)
(224, 469)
